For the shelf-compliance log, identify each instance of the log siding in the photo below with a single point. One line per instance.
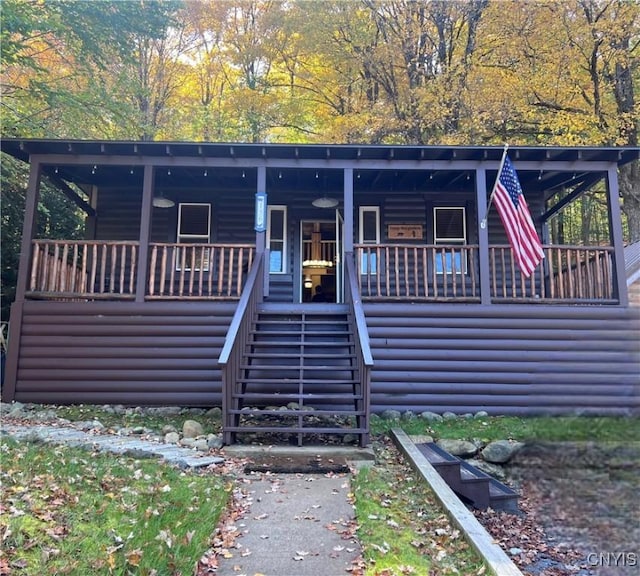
(506, 359)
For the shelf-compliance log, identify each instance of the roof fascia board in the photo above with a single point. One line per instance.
(328, 163)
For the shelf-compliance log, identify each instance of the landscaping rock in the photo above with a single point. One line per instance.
(501, 451)
(164, 410)
(491, 469)
(172, 437)
(431, 416)
(214, 441)
(201, 445)
(461, 448)
(168, 428)
(214, 412)
(192, 429)
(481, 415)
(450, 416)
(188, 442)
(391, 415)
(16, 409)
(408, 415)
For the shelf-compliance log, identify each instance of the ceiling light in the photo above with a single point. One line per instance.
(162, 202)
(325, 202)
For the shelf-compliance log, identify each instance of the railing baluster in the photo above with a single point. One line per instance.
(230, 273)
(64, 267)
(133, 268)
(424, 272)
(213, 254)
(221, 271)
(192, 267)
(152, 270)
(34, 267)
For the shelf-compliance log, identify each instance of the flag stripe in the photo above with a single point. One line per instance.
(517, 221)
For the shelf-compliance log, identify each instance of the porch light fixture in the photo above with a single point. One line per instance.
(308, 282)
(325, 202)
(317, 264)
(161, 202)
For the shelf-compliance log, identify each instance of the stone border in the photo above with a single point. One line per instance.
(494, 557)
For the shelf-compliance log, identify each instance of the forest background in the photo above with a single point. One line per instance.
(420, 72)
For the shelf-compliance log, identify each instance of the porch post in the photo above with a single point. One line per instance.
(615, 224)
(145, 233)
(483, 236)
(348, 210)
(15, 325)
(261, 236)
(28, 228)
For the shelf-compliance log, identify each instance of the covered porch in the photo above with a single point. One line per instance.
(185, 221)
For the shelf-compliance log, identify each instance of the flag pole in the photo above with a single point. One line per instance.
(483, 224)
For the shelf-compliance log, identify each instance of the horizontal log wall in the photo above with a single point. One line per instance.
(509, 359)
(122, 353)
(506, 359)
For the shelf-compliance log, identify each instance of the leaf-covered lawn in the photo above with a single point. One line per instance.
(71, 511)
(402, 527)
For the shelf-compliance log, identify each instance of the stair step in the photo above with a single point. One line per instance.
(304, 367)
(293, 397)
(296, 429)
(296, 380)
(477, 486)
(296, 355)
(301, 413)
(301, 332)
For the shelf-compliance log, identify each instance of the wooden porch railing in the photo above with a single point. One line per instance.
(417, 272)
(83, 269)
(230, 357)
(364, 359)
(88, 269)
(211, 271)
(567, 274)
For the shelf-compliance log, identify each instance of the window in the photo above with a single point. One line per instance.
(449, 227)
(369, 232)
(194, 227)
(277, 239)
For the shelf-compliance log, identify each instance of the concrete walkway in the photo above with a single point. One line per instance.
(294, 524)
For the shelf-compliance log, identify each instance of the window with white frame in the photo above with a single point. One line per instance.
(450, 227)
(369, 233)
(194, 227)
(277, 239)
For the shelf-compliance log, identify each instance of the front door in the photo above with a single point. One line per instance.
(319, 261)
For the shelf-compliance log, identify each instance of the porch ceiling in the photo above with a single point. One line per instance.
(384, 169)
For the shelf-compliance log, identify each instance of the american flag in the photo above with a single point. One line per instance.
(516, 218)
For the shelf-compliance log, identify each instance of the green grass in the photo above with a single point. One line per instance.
(548, 428)
(70, 511)
(553, 429)
(401, 526)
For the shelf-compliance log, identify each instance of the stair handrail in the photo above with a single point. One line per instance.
(364, 358)
(354, 300)
(231, 355)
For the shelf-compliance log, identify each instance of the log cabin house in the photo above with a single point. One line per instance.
(195, 284)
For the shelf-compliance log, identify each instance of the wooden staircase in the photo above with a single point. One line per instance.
(472, 485)
(298, 375)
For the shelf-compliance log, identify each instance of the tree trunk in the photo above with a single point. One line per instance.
(629, 180)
